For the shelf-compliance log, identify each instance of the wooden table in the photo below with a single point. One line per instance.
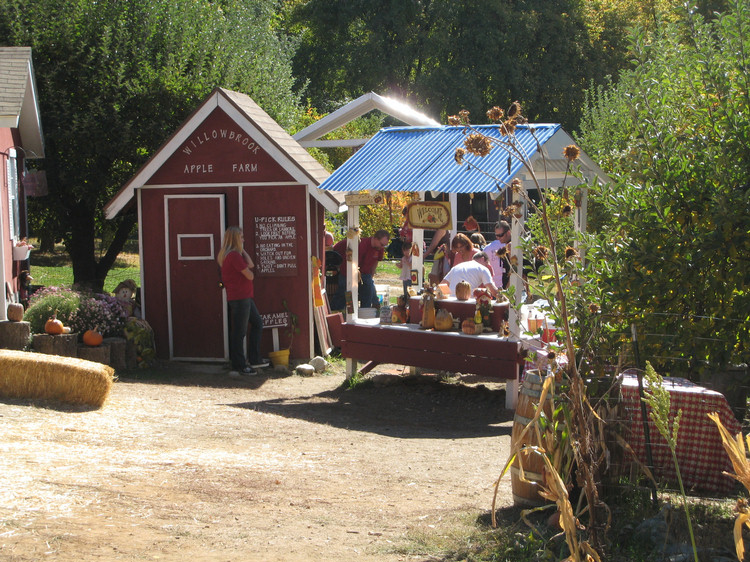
(408, 344)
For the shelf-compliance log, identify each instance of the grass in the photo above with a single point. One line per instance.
(56, 270)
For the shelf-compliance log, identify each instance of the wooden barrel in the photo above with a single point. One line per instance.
(526, 491)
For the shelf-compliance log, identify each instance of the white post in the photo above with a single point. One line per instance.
(352, 277)
(352, 267)
(516, 279)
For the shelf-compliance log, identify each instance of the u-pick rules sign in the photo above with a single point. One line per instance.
(276, 246)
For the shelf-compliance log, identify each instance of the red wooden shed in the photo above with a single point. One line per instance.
(228, 164)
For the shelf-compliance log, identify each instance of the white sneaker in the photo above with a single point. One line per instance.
(234, 374)
(263, 363)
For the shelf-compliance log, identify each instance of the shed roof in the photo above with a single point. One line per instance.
(418, 159)
(267, 132)
(356, 108)
(18, 99)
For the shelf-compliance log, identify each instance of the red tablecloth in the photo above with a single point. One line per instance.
(700, 454)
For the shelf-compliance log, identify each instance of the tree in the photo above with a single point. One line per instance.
(116, 78)
(447, 55)
(674, 134)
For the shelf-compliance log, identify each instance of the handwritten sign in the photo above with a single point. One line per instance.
(275, 320)
(429, 214)
(276, 246)
(354, 199)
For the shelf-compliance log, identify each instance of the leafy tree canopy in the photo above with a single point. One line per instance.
(674, 135)
(115, 79)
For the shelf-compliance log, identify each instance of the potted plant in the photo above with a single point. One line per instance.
(21, 250)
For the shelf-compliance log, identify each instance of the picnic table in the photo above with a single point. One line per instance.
(700, 452)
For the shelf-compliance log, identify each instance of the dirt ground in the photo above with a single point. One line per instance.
(197, 466)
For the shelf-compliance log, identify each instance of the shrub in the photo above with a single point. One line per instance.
(99, 312)
(49, 301)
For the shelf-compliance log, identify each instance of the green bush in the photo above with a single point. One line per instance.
(45, 303)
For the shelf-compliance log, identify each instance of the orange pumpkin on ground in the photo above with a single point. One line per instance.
(92, 338)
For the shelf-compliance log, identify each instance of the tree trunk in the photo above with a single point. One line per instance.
(87, 272)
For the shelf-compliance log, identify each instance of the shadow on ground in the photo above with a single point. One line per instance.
(411, 407)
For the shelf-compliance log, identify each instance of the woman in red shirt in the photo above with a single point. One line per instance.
(237, 276)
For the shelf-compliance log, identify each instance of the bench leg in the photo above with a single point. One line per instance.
(351, 367)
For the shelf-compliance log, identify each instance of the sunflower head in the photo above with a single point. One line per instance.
(459, 155)
(541, 253)
(516, 185)
(509, 127)
(478, 144)
(571, 152)
(515, 109)
(570, 253)
(454, 120)
(464, 116)
(495, 114)
(566, 210)
(593, 308)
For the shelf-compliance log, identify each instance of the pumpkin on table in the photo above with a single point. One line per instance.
(463, 290)
(443, 320)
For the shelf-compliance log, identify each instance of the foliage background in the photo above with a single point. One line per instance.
(675, 224)
(115, 79)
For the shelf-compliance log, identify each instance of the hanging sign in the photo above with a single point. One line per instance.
(359, 199)
(431, 215)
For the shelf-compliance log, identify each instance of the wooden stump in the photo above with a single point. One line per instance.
(98, 354)
(131, 355)
(64, 344)
(117, 352)
(14, 335)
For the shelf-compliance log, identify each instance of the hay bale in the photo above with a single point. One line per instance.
(54, 377)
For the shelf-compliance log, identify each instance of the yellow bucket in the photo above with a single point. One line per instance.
(279, 358)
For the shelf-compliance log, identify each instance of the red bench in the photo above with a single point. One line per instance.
(408, 344)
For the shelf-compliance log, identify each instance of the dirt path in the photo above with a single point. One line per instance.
(280, 467)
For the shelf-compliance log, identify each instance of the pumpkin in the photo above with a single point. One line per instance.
(443, 320)
(15, 312)
(468, 326)
(92, 338)
(463, 290)
(53, 326)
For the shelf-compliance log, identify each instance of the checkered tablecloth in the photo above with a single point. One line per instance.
(700, 454)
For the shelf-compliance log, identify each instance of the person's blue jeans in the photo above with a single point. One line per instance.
(244, 312)
(368, 296)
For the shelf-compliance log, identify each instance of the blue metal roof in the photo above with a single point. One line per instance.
(422, 159)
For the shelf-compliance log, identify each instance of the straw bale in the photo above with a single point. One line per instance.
(54, 377)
